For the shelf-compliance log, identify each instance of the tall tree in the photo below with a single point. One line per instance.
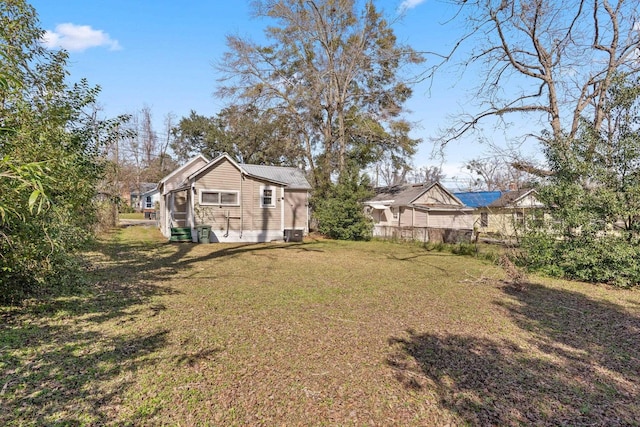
(427, 174)
(247, 134)
(333, 70)
(148, 136)
(496, 172)
(50, 143)
(594, 198)
(553, 59)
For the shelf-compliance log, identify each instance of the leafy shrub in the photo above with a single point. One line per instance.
(339, 212)
(603, 259)
(463, 249)
(50, 159)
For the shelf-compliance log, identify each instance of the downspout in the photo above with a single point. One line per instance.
(308, 214)
(282, 210)
(426, 231)
(241, 204)
(192, 206)
(413, 222)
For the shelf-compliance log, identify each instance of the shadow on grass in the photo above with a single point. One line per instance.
(68, 380)
(578, 364)
(68, 357)
(157, 262)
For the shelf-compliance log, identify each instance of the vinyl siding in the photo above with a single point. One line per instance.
(436, 196)
(295, 209)
(412, 217)
(452, 220)
(249, 215)
(264, 218)
(222, 176)
(180, 177)
(406, 217)
(501, 220)
(529, 201)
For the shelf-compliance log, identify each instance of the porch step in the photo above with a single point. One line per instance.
(180, 234)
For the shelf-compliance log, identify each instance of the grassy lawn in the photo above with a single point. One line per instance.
(132, 215)
(317, 333)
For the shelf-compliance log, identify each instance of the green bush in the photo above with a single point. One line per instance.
(339, 212)
(50, 159)
(593, 196)
(603, 259)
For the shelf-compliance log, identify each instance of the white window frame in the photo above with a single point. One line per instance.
(394, 213)
(273, 196)
(220, 192)
(148, 202)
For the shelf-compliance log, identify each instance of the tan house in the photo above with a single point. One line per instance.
(240, 202)
(173, 195)
(425, 212)
(502, 213)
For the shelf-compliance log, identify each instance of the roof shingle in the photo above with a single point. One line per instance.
(293, 177)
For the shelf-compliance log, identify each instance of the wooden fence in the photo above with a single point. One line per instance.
(423, 234)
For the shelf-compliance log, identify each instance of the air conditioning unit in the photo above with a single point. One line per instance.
(291, 235)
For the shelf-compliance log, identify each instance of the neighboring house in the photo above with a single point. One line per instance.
(135, 195)
(240, 202)
(426, 212)
(502, 212)
(149, 201)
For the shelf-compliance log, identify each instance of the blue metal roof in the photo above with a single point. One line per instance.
(476, 199)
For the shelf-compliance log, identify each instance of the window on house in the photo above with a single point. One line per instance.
(394, 211)
(267, 197)
(221, 198)
(228, 198)
(147, 202)
(519, 218)
(484, 219)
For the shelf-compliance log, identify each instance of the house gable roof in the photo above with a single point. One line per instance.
(408, 194)
(179, 173)
(185, 166)
(144, 187)
(150, 192)
(290, 177)
(511, 198)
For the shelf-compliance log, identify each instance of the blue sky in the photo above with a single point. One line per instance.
(161, 53)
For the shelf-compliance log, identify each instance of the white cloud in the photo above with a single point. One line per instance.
(409, 4)
(77, 38)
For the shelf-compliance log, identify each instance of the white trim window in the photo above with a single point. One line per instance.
(267, 196)
(219, 198)
(147, 203)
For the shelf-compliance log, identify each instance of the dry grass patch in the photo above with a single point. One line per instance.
(317, 333)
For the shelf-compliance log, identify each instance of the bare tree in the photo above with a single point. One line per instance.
(169, 120)
(427, 174)
(497, 172)
(148, 137)
(552, 58)
(328, 65)
(389, 173)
